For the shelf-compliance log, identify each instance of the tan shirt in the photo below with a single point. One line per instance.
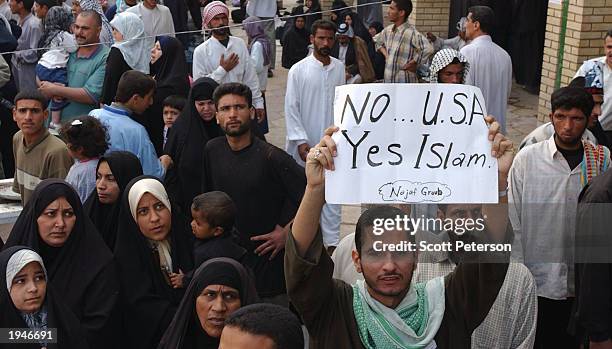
(46, 158)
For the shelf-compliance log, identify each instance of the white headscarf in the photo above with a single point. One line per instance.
(18, 261)
(155, 188)
(134, 46)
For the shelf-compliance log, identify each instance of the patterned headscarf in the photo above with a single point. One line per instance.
(94, 5)
(57, 20)
(38, 319)
(211, 10)
(442, 59)
(18, 261)
(344, 29)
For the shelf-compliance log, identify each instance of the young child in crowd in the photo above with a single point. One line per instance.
(87, 140)
(173, 106)
(214, 216)
(59, 43)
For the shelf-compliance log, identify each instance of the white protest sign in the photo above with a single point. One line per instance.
(411, 143)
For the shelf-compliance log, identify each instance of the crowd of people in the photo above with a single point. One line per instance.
(156, 214)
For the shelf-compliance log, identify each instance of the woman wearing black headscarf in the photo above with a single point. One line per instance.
(311, 11)
(219, 287)
(79, 265)
(154, 245)
(353, 20)
(338, 10)
(378, 59)
(23, 276)
(169, 69)
(113, 173)
(295, 42)
(186, 141)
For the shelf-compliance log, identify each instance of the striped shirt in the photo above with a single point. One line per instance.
(403, 44)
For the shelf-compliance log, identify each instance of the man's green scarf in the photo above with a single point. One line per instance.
(412, 324)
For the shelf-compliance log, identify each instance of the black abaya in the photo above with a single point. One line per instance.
(82, 271)
(119, 66)
(171, 77)
(149, 303)
(186, 141)
(70, 334)
(185, 332)
(359, 29)
(125, 166)
(295, 45)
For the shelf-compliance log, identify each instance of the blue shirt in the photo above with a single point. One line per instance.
(128, 135)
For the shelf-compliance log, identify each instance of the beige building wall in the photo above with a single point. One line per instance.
(587, 23)
(431, 16)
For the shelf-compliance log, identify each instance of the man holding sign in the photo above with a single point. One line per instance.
(411, 143)
(387, 310)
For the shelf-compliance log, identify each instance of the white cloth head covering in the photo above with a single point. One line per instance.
(442, 59)
(151, 186)
(344, 29)
(134, 46)
(155, 188)
(18, 261)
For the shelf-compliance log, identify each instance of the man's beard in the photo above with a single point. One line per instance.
(571, 142)
(223, 31)
(324, 51)
(244, 128)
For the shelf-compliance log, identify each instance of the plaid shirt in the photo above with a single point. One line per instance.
(511, 322)
(403, 43)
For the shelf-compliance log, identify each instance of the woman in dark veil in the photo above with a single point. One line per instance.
(171, 77)
(153, 249)
(186, 141)
(219, 287)
(338, 9)
(354, 20)
(79, 265)
(23, 274)
(114, 171)
(295, 42)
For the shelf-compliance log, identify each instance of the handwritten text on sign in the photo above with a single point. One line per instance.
(411, 143)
